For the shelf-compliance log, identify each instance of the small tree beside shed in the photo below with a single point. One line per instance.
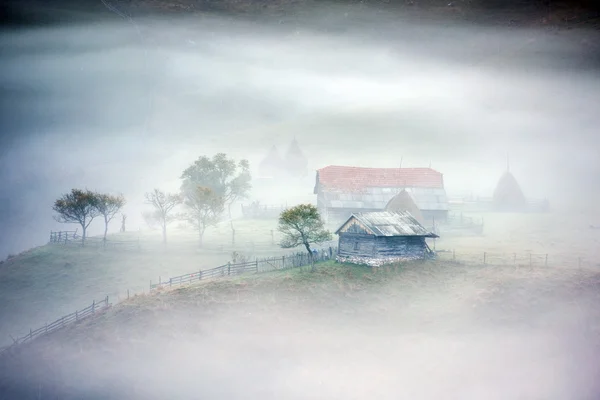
(302, 225)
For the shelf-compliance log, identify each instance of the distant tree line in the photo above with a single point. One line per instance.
(209, 187)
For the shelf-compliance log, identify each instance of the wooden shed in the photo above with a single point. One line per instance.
(381, 237)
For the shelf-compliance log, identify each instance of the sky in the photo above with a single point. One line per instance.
(124, 106)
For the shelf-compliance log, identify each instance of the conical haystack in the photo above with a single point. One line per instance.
(295, 160)
(403, 201)
(272, 164)
(508, 195)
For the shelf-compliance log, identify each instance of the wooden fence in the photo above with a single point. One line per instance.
(72, 238)
(257, 266)
(76, 316)
(262, 211)
(64, 237)
(299, 260)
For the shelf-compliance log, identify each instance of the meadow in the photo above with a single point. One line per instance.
(423, 330)
(42, 284)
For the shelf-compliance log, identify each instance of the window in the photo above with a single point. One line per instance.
(356, 245)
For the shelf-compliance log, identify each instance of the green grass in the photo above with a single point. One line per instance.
(45, 283)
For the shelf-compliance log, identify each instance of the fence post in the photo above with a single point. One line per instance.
(283, 262)
(257, 265)
(546, 261)
(200, 275)
(106, 300)
(484, 257)
(93, 306)
(170, 282)
(30, 333)
(76, 315)
(66, 237)
(46, 327)
(229, 268)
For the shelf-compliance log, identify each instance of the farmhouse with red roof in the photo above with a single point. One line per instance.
(342, 190)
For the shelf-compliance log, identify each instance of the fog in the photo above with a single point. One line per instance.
(423, 333)
(124, 106)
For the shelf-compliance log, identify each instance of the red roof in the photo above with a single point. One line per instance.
(356, 178)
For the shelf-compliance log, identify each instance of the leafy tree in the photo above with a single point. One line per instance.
(163, 205)
(204, 208)
(227, 179)
(108, 206)
(78, 206)
(302, 225)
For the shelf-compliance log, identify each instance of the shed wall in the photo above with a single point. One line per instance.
(353, 245)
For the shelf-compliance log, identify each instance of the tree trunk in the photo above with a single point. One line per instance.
(200, 235)
(164, 233)
(310, 257)
(83, 231)
(105, 230)
(231, 224)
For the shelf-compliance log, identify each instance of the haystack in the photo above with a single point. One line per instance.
(403, 201)
(508, 195)
(295, 160)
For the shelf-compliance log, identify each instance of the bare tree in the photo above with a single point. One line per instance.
(78, 206)
(302, 226)
(204, 207)
(163, 208)
(108, 206)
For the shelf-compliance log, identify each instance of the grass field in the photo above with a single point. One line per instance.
(47, 282)
(421, 330)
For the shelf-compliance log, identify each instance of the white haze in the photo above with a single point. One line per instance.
(100, 106)
(97, 106)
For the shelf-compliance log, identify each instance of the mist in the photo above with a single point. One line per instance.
(124, 106)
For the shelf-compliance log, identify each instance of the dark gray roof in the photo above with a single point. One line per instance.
(387, 223)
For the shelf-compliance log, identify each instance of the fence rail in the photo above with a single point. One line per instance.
(72, 238)
(63, 237)
(257, 266)
(295, 261)
(76, 316)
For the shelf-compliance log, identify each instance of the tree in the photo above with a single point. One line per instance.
(108, 206)
(204, 208)
(302, 225)
(78, 206)
(163, 208)
(227, 179)
(123, 220)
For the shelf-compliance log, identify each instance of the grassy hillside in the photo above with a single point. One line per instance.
(418, 330)
(48, 282)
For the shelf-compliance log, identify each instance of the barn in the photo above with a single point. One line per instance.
(343, 190)
(376, 238)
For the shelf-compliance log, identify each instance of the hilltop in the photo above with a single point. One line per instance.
(344, 331)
